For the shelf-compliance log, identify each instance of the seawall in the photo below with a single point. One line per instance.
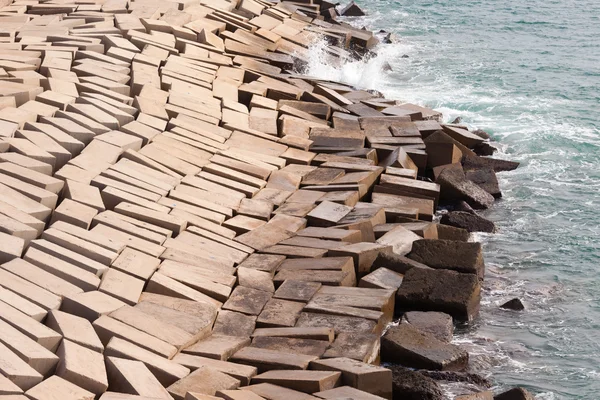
(184, 215)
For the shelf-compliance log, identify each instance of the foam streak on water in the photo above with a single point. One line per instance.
(528, 73)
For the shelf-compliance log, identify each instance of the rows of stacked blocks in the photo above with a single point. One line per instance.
(185, 217)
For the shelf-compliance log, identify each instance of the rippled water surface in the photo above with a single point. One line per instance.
(529, 74)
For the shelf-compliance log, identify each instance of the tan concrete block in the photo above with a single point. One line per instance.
(131, 241)
(32, 177)
(153, 326)
(108, 328)
(90, 305)
(366, 377)
(274, 392)
(57, 388)
(231, 323)
(217, 287)
(10, 247)
(74, 213)
(35, 355)
(82, 366)
(133, 377)
(133, 227)
(69, 256)
(68, 273)
(166, 371)
(346, 392)
(74, 328)
(197, 320)
(217, 347)
(136, 263)
(28, 290)
(46, 280)
(30, 327)
(16, 370)
(266, 360)
(255, 279)
(279, 313)
(303, 381)
(84, 194)
(83, 247)
(121, 286)
(175, 224)
(27, 162)
(243, 373)
(204, 380)
(7, 388)
(39, 195)
(22, 304)
(162, 284)
(340, 323)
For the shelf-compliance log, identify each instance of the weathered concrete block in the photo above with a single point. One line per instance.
(458, 256)
(435, 323)
(366, 377)
(446, 291)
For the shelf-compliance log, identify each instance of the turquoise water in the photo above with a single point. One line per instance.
(529, 74)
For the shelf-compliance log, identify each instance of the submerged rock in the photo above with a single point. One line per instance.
(515, 394)
(411, 347)
(469, 221)
(387, 39)
(352, 10)
(514, 304)
(435, 323)
(411, 385)
(455, 186)
(441, 290)
(457, 120)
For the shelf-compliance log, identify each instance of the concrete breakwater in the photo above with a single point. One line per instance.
(184, 217)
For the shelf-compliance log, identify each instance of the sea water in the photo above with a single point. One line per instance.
(527, 72)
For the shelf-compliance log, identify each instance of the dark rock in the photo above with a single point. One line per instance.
(441, 290)
(404, 56)
(463, 206)
(457, 120)
(465, 257)
(395, 262)
(352, 10)
(386, 66)
(468, 221)
(486, 179)
(484, 149)
(455, 186)
(387, 39)
(411, 385)
(481, 133)
(451, 376)
(476, 396)
(406, 345)
(514, 304)
(470, 162)
(447, 232)
(515, 394)
(435, 323)
(382, 31)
